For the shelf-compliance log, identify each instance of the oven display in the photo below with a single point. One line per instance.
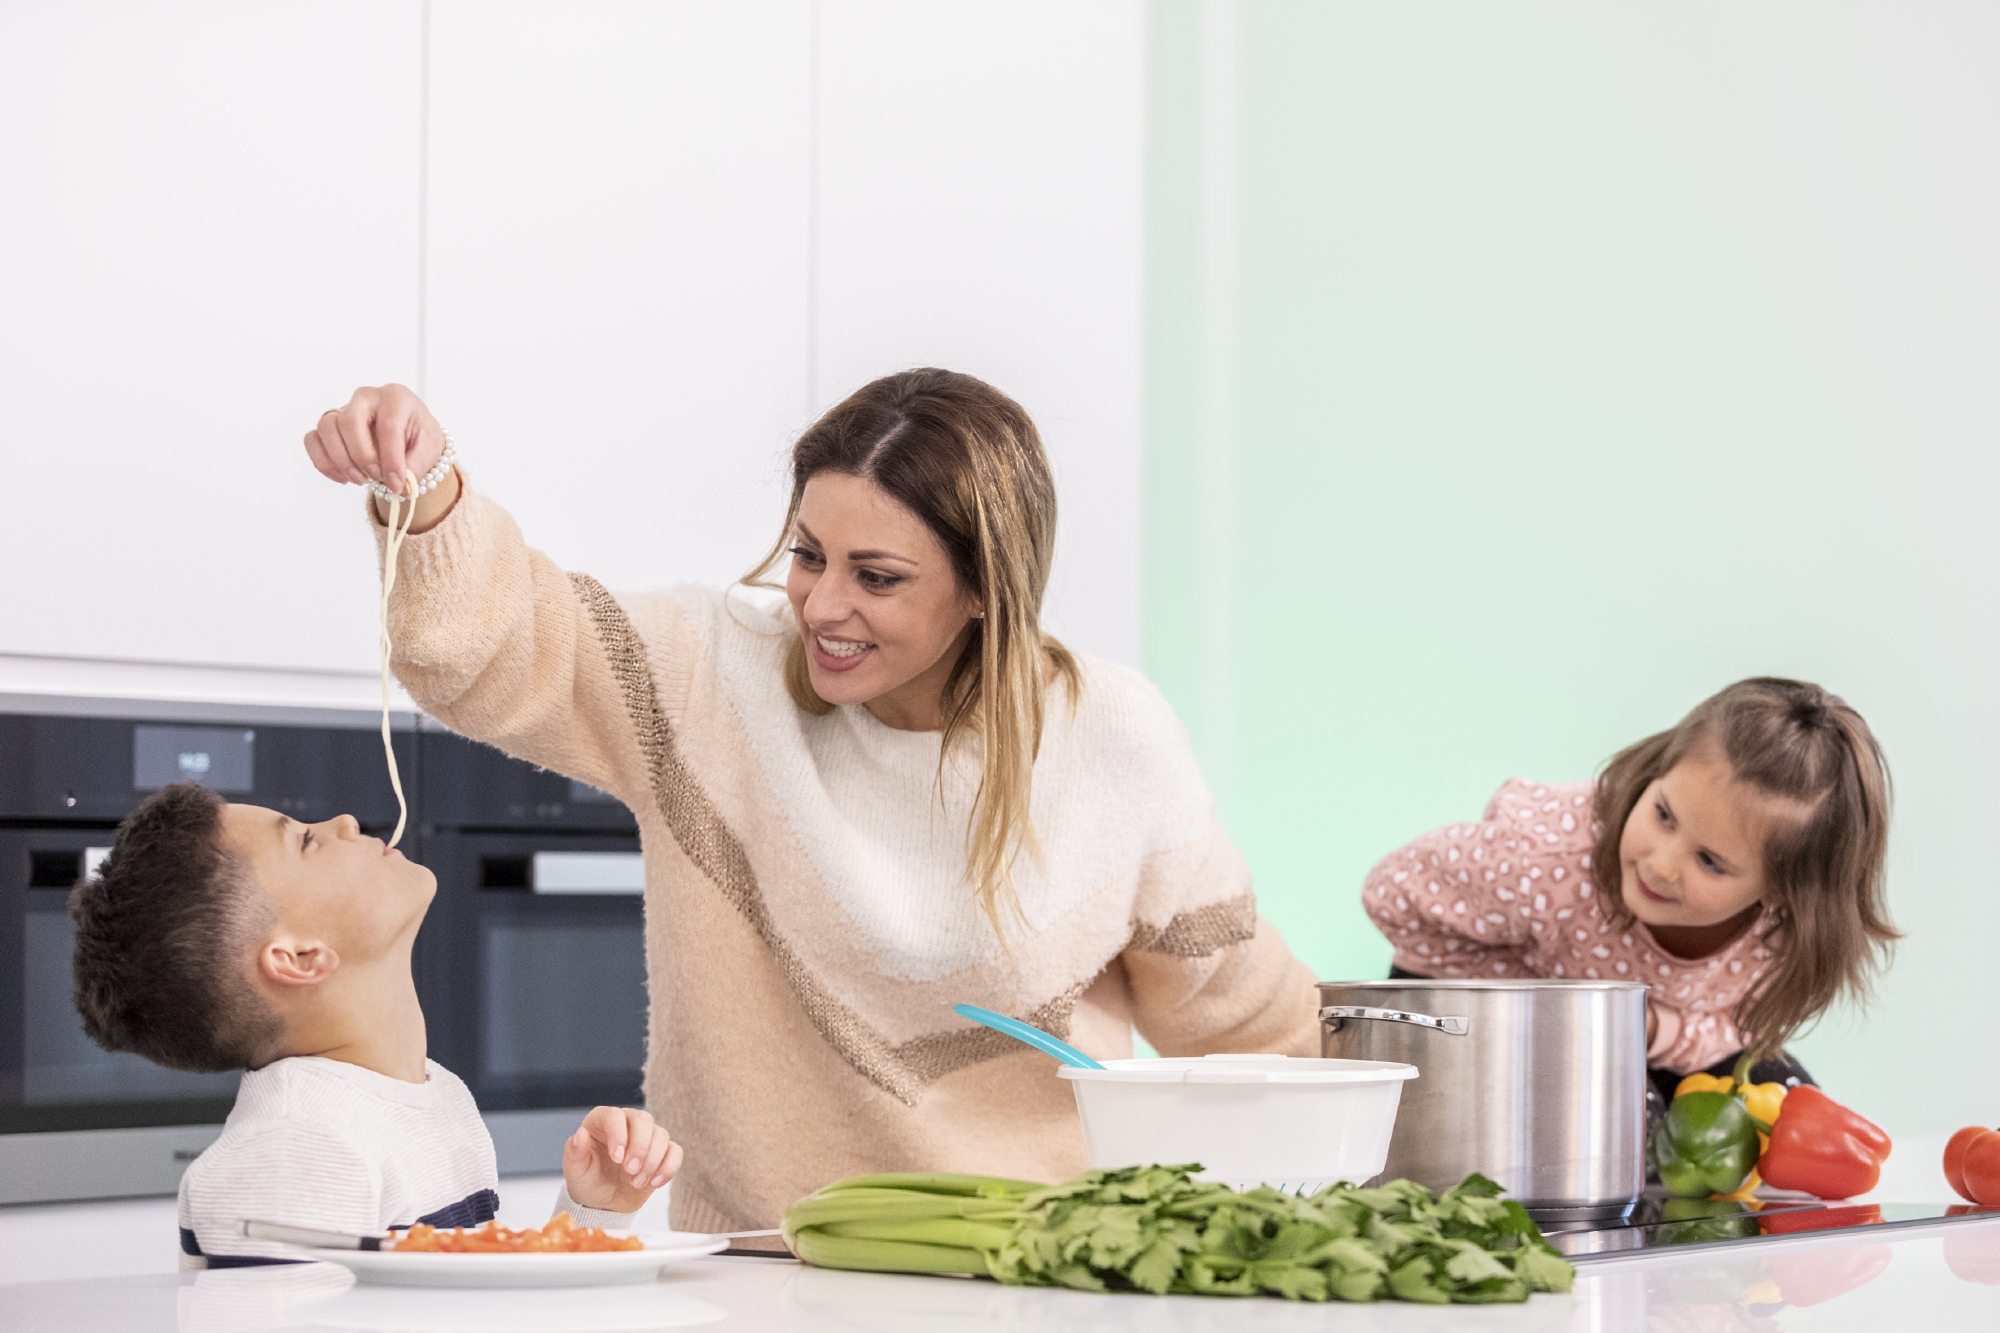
(221, 758)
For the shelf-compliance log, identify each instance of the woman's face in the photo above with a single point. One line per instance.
(880, 608)
(1692, 852)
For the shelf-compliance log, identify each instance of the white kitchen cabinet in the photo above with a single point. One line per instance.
(208, 232)
(626, 250)
(619, 213)
(981, 207)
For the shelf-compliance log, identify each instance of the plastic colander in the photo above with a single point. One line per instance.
(1295, 1124)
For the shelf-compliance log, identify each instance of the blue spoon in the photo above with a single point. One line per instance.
(1028, 1033)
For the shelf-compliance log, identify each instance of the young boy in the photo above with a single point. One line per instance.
(223, 937)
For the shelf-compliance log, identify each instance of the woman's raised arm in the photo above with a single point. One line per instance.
(490, 637)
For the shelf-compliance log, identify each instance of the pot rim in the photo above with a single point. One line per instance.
(1479, 983)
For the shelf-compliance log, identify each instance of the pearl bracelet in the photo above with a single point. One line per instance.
(428, 482)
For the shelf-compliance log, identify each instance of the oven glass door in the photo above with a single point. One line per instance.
(538, 967)
(53, 1076)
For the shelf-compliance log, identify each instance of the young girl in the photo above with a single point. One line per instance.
(1734, 863)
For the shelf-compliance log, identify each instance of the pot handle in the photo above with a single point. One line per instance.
(1332, 1014)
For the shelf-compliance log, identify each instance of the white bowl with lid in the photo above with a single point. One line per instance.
(1296, 1124)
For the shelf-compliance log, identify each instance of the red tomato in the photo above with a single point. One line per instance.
(1954, 1158)
(1981, 1168)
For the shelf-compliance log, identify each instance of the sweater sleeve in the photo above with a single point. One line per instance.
(1247, 996)
(1207, 974)
(497, 643)
(590, 1217)
(1452, 902)
(1689, 1039)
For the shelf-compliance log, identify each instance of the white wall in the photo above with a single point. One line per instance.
(626, 250)
(619, 237)
(981, 207)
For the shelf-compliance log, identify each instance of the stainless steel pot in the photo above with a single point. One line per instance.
(1540, 1085)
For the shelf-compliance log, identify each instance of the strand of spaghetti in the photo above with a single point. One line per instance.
(391, 548)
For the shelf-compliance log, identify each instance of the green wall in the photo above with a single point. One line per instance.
(1520, 375)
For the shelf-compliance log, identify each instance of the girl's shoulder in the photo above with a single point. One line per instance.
(1549, 814)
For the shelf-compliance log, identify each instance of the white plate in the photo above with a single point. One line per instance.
(388, 1268)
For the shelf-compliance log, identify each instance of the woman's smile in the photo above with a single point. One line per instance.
(839, 654)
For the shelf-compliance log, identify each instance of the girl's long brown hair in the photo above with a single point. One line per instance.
(967, 460)
(1831, 932)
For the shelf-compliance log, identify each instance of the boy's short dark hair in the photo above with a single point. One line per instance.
(161, 936)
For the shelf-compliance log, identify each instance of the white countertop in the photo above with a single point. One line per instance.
(109, 1265)
(1941, 1277)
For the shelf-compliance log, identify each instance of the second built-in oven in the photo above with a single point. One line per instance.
(532, 963)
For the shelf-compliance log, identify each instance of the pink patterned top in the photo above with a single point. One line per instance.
(1513, 896)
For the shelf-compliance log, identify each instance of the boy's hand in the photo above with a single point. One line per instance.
(617, 1158)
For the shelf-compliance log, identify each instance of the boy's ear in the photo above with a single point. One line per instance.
(286, 961)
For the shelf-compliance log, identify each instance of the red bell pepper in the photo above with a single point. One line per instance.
(1822, 1148)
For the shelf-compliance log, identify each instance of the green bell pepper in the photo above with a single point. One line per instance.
(1706, 1144)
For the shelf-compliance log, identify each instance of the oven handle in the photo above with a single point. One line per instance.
(588, 872)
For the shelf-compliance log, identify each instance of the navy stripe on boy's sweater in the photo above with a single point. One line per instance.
(475, 1208)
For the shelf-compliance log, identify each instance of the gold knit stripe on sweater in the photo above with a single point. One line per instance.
(1200, 931)
(936, 1054)
(903, 1071)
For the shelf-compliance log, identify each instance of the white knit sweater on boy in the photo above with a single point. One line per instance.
(322, 1143)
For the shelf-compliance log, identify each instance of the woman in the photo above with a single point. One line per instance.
(892, 795)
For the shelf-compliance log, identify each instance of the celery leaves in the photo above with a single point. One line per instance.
(1156, 1229)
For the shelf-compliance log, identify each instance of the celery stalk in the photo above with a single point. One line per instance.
(951, 1231)
(930, 1182)
(886, 1256)
(904, 1205)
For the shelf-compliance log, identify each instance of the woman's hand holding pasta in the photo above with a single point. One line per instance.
(381, 434)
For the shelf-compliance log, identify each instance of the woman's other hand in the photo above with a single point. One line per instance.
(617, 1158)
(380, 435)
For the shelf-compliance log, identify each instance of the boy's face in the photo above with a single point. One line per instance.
(331, 882)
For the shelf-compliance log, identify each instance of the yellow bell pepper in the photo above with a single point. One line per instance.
(1706, 1083)
(1764, 1100)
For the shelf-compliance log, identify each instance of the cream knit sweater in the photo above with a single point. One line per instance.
(808, 920)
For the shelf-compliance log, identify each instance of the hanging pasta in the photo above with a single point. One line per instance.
(409, 488)
(391, 548)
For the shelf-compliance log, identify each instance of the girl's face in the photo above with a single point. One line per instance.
(879, 606)
(1692, 853)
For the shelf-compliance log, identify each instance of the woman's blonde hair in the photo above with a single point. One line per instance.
(1824, 870)
(966, 459)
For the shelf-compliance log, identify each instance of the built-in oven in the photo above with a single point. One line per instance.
(530, 965)
(77, 1121)
(532, 962)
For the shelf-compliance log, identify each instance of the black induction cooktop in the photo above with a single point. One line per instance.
(1658, 1224)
